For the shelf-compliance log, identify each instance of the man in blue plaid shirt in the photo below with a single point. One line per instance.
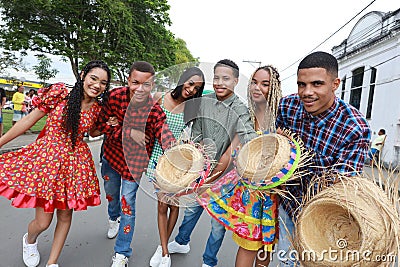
(336, 132)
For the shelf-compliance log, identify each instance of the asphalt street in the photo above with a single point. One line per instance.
(87, 244)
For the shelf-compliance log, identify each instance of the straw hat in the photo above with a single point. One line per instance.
(268, 160)
(351, 223)
(180, 168)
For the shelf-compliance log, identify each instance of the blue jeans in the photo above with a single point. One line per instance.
(286, 252)
(122, 194)
(373, 153)
(192, 215)
(112, 186)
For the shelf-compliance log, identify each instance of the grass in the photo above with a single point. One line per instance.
(7, 122)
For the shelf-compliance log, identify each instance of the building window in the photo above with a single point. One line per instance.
(371, 92)
(343, 87)
(356, 87)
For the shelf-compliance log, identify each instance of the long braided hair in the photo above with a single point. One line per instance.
(75, 97)
(273, 98)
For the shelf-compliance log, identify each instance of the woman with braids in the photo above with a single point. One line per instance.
(57, 171)
(251, 214)
(263, 96)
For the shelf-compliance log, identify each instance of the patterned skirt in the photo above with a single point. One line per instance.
(252, 215)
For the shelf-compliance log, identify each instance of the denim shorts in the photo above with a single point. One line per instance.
(18, 114)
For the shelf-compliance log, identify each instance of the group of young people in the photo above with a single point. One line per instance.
(139, 127)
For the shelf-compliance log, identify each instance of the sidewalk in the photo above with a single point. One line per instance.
(29, 138)
(19, 142)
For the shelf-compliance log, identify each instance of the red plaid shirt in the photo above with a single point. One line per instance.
(122, 153)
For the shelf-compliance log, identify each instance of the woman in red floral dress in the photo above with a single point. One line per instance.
(57, 171)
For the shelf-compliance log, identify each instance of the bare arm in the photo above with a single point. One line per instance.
(157, 97)
(94, 132)
(224, 161)
(22, 126)
(112, 121)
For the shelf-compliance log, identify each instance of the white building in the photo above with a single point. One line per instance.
(369, 66)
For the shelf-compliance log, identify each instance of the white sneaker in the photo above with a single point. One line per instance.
(113, 227)
(174, 247)
(165, 261)
(30, 253)
(119, 260)
(52, 265)
(157, 256)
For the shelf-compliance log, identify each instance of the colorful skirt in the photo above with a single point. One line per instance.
(251, 215)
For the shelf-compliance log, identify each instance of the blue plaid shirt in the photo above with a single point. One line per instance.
(339, 138)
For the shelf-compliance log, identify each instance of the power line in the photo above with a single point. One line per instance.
(381, 63)
(330, 36)
(365, 70)
(365, 35)
(369, 34)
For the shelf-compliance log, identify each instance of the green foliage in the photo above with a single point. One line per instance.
(116, 31)
(42, 70)
(9, 60)
(182, 54)
(168, 78)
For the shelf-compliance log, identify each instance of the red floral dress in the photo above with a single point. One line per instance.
(49, 173)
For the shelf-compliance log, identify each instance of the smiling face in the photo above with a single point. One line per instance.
(260, 86)
(316, 88)
(191, 86)
(140, 85)
(224, 82)
(95, 82)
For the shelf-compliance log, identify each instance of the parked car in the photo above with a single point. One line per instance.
(9, 105)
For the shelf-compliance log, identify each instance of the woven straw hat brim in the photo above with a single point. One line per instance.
(265, 160)
(352, 217)
(178, 167)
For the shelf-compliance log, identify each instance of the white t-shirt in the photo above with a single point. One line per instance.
(378, 140)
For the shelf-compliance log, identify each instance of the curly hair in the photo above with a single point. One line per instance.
(273, 97)
(75, 97)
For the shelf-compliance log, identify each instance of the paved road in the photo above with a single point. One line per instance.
(87, 244)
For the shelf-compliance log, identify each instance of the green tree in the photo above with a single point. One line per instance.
(9, 60)
(182, 53)
(116, 31)
(43, 69)
(169, 77)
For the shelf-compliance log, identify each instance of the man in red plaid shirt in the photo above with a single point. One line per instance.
(132, 121)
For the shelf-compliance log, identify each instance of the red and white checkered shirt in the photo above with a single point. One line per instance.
(123, 154)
